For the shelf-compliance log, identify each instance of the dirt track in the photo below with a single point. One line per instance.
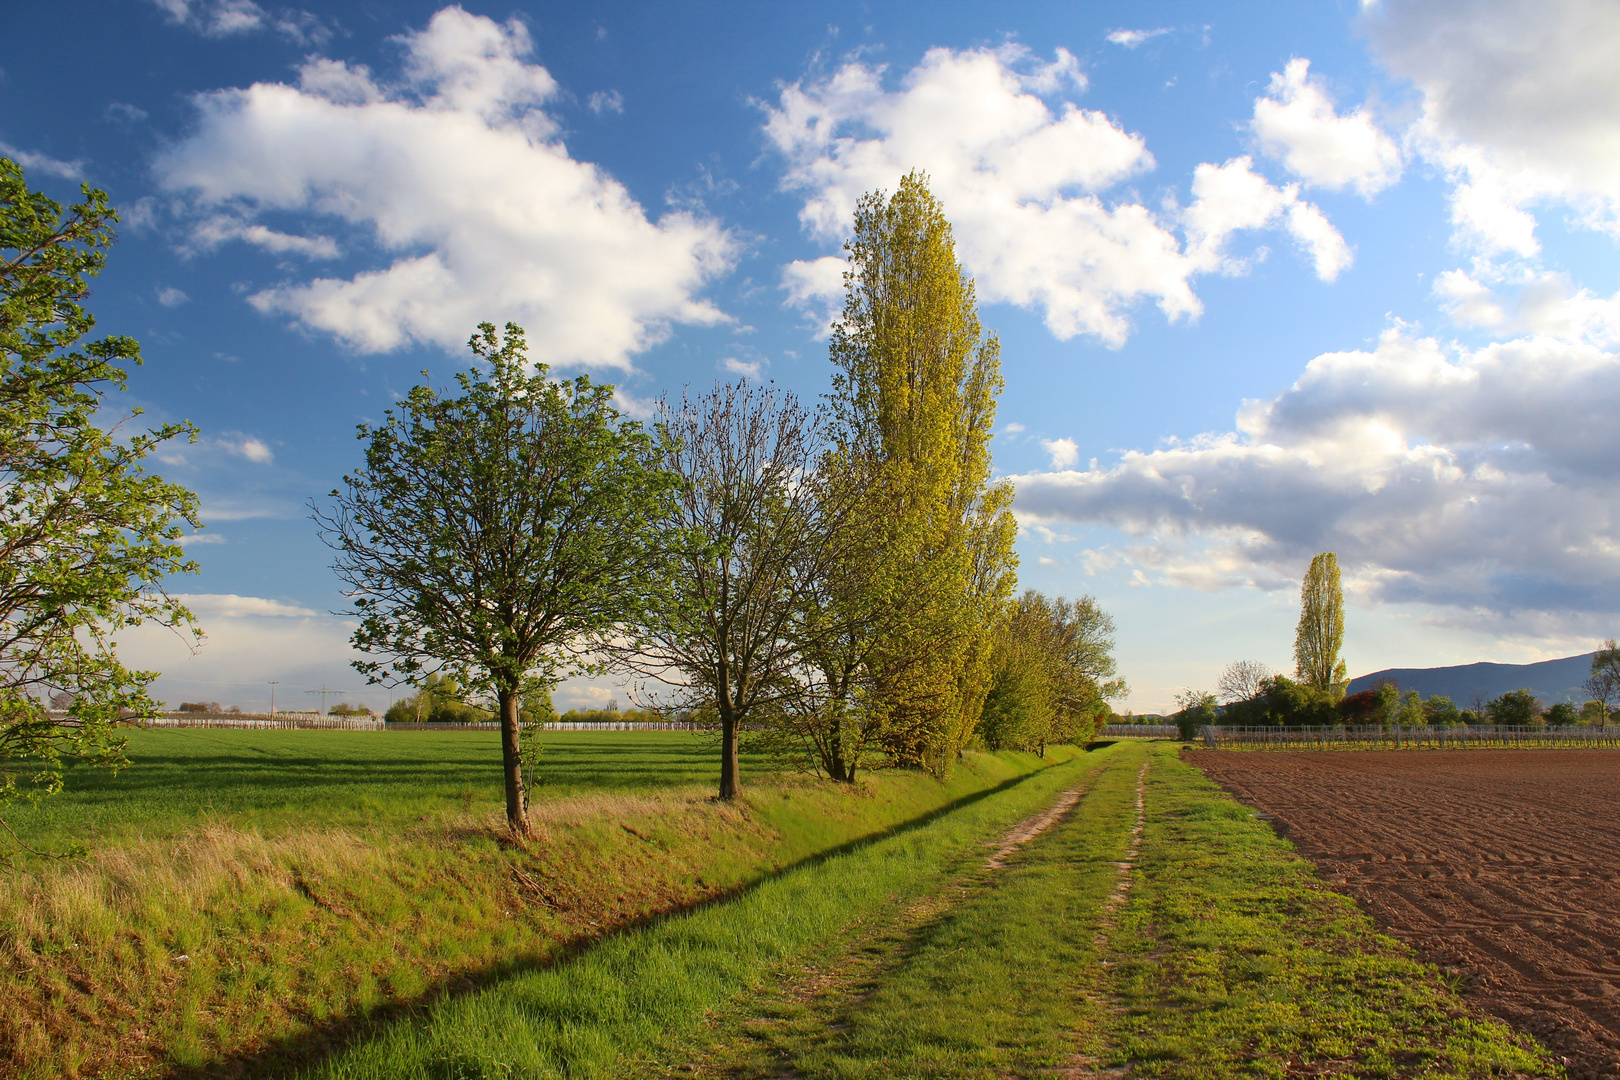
(1501, 866)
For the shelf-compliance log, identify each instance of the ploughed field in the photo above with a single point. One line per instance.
(1500, 866)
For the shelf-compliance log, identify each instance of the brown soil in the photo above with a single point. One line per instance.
(1500, 866)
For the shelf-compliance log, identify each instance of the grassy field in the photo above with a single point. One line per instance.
(1182, 939)
(275, 780)
(257, 898)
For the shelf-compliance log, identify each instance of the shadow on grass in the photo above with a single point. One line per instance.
(333, 1036)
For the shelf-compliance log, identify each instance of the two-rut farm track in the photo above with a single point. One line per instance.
(1500, 866)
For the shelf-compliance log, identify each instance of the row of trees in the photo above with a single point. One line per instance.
(837, 580)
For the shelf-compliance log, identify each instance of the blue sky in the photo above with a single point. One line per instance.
(1270, 279)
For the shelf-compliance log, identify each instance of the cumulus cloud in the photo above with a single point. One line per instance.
(1478, 480)
(1296, 123)
(1232, 197)
(1518, 106)
(816, 287)
(458, 173)
(169, 296)
(1064, 452)
(1546, 304)
(1023, 175)
(748, 369)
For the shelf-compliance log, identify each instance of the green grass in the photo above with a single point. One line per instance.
(631, 993)
(1235, 961)
(273, 780)
(251, 898)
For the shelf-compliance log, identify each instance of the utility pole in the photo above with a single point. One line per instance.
(273, 683)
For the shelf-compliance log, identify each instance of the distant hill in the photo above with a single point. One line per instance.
(1551, 680)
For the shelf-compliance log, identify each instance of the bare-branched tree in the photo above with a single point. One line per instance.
(1242, 681)
(746, 537)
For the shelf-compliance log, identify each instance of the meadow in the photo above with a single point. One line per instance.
(348, 905)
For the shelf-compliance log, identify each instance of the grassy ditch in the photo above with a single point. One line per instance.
(1233, 960)
(256, 934)
(625, 997)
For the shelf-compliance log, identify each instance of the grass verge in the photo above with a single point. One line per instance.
(216, 944)
(1234, 960)
(628, 995)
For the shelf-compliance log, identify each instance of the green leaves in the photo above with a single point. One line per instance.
(86, 534)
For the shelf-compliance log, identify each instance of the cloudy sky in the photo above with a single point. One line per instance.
(1270, 279)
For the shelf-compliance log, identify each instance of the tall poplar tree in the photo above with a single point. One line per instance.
(1321, 628)
(912, 410)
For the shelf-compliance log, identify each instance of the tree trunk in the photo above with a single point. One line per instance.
(729, 782)
(517, 811)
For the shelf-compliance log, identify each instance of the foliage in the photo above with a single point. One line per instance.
(1562, 714)
(437, 701)
(746, 536)
(343, 708)
(1604, 682)
(1053, 670)
(931, 552)
(86, 534)
(1441, 711)
(1195, 710)
(1320, 634)
(1282, 702)
(493, 535)
(1360, 707)
(1594, 714)
(1516, 708)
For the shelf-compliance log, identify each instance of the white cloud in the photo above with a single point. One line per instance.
(125, 113)
(1545, 304)
(459, 173)
(1481, 481)
(1232, 197)
(191, 539)
(816, 287)
(1013, 428)
(1296, 124)
(29, 159)
(231, 606)
(749, 369)
(228, 18)
(249, 447)
(216, 229)
(1021, 178)
(1130, 39)
(1064, 452)
(169, 296)
(606, 101)
(1518, 107)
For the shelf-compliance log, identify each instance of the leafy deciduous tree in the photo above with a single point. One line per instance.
(493, 535)
(1604, 682)
(1320, 635)
(86, 534)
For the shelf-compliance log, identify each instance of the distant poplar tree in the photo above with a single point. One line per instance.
(1321, 628)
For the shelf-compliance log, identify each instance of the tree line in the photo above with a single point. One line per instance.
(1249, 694)
(833, 582)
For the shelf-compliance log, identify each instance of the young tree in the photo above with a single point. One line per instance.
(746, 537)
(1516, 708)
(1242, 680)
(1320, 635)
(1052, 673)
(912, 409)
(493, 535)
(86, 534)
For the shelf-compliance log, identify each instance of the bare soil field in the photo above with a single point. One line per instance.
(1500, 866)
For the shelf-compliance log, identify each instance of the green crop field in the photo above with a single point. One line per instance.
(273, 780)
